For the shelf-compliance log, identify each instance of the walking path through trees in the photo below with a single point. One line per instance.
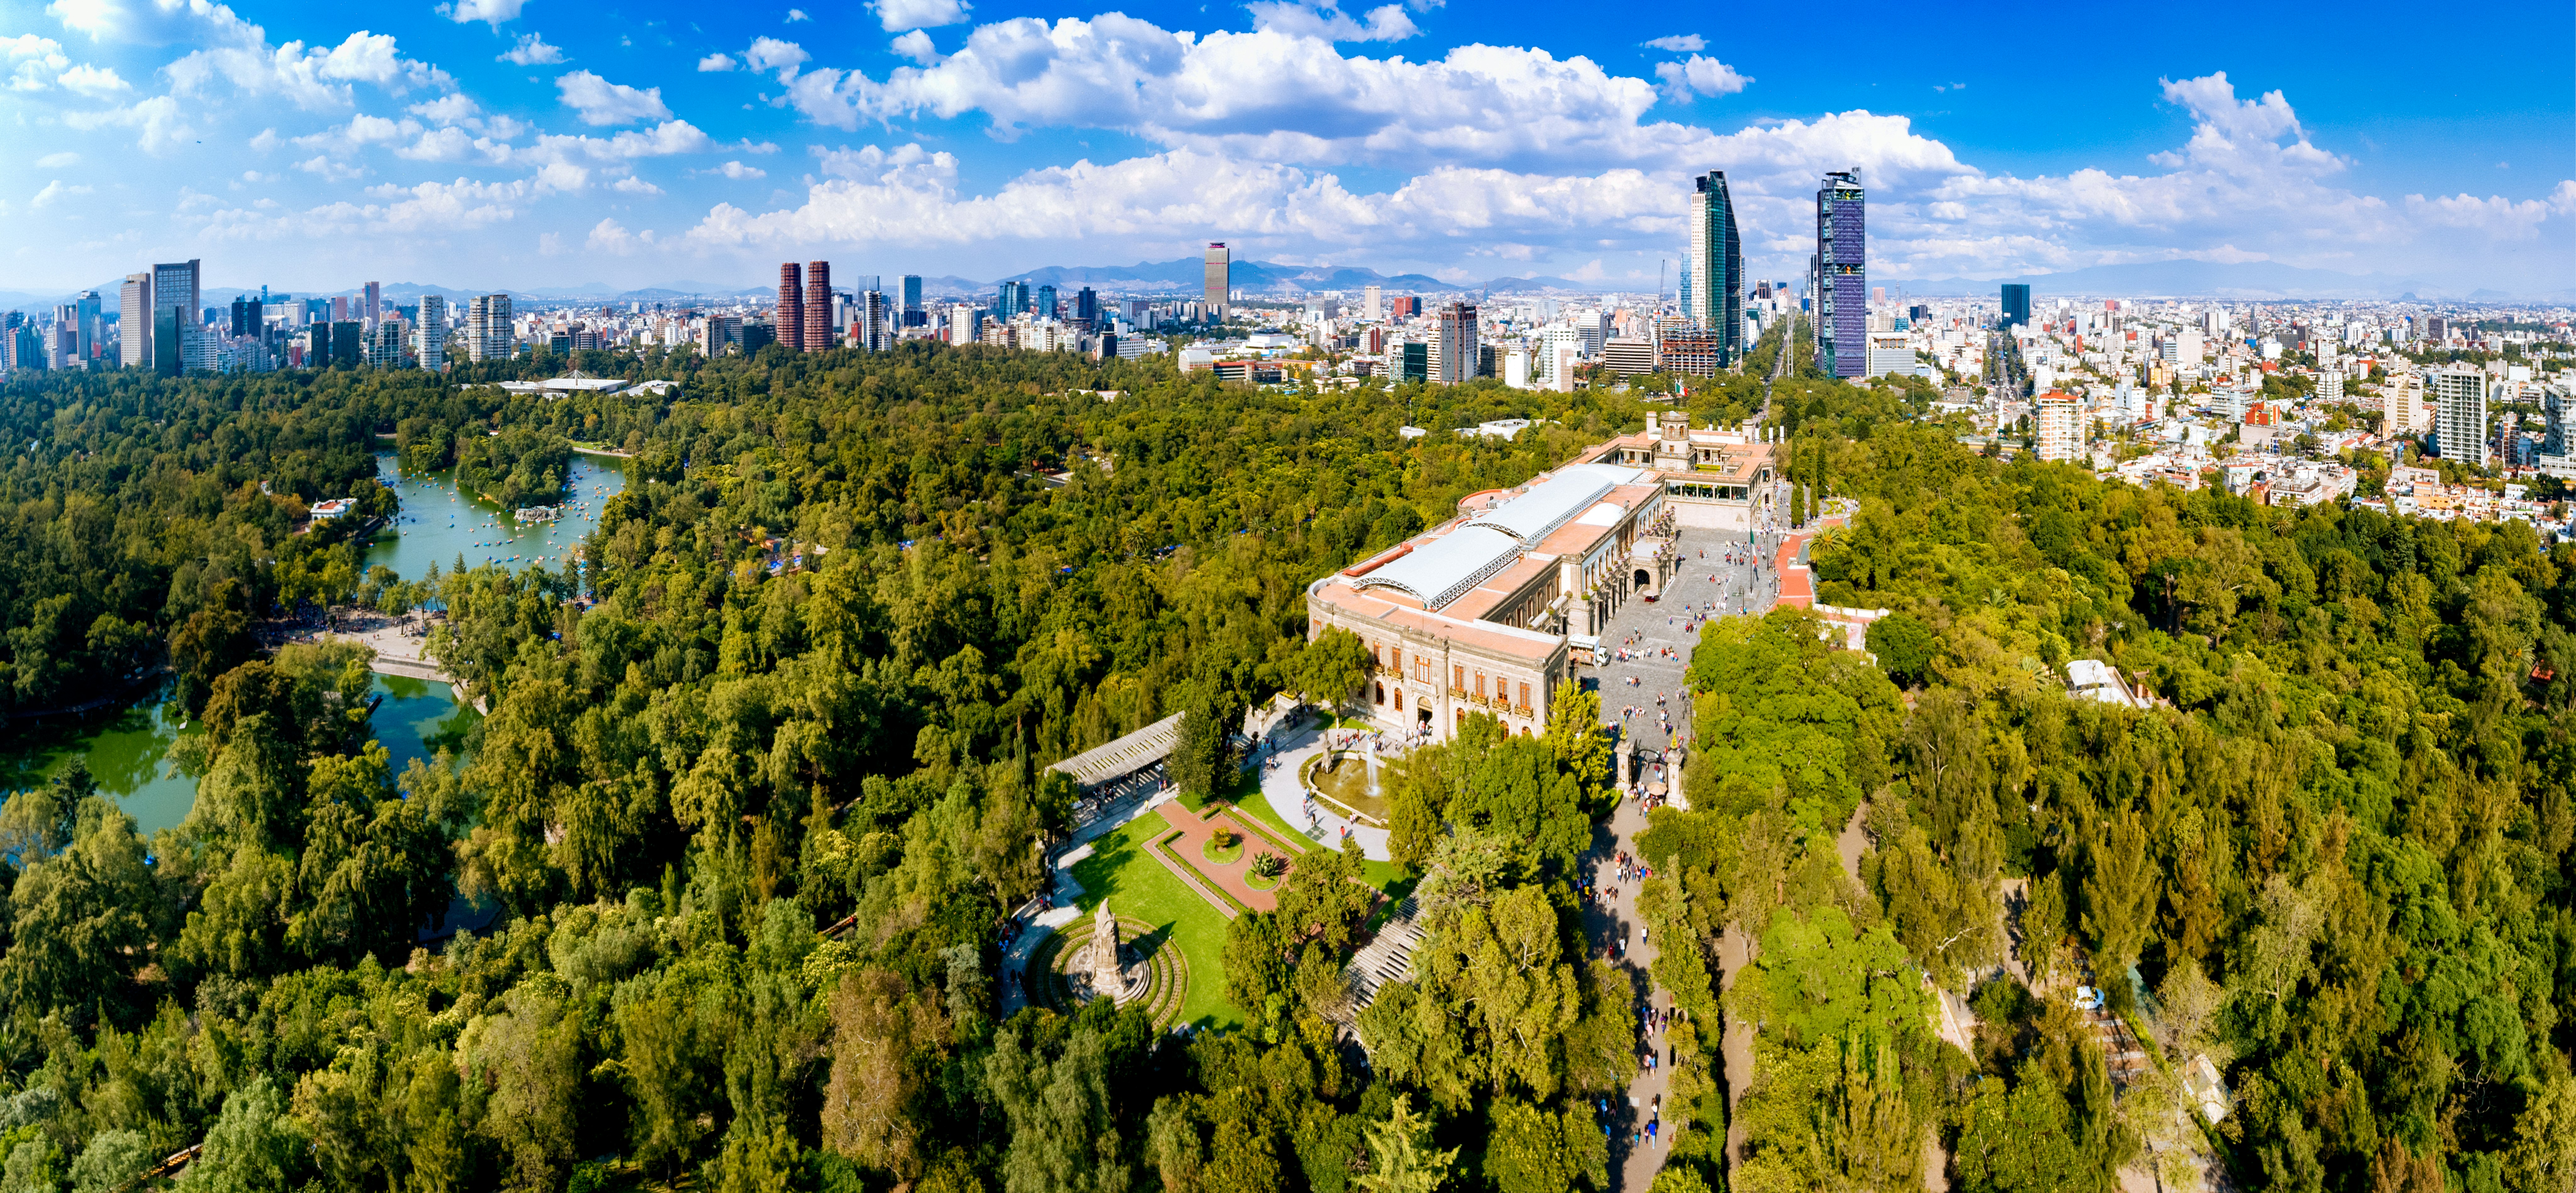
(1643, 632)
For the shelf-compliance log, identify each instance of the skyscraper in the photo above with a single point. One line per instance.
(1842, 276)
(375, 308)
(1086, 306)
(1046, 302)
(2016, 305)
(876, 323)
(175, 325)
(90, 331)
(1456, 354)
(134, 321)
(433, 332)
(913, 313)
(1220, 280)
(2460, 414)
(818, 306)
(1014, 299)
(1716, 269)
(791, 307)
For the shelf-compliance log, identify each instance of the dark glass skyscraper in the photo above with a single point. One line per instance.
(1713, 284)
(2016, 305)
(1842, 276)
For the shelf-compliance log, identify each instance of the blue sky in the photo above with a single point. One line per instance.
(534, 143)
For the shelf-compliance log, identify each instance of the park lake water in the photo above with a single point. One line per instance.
(126, 748)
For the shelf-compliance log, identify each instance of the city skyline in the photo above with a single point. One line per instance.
(509, 144)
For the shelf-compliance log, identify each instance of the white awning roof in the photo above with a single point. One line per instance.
(1448, 567)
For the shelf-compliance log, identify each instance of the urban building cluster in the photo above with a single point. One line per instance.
(1699, 328)
(2266, 398)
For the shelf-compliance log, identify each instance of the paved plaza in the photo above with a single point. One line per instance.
(1645, 654)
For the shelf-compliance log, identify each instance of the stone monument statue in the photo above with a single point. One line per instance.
(1108, 977)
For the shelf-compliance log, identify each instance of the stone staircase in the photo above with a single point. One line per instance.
(1386, 958)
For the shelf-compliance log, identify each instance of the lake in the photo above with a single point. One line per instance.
(126, 749)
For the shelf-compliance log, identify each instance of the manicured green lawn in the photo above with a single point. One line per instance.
(1137, 885)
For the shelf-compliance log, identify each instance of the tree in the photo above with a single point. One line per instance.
(1905, 648)
(1333, 668)
(1401, 1158)
(1534, 1150)
(83, 920)
(255, 1145)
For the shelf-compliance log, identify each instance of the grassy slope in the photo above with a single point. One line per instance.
(1137, 885)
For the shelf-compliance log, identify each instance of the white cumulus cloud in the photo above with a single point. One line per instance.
(1680, 43)
(608, 236)
(96, 82)
(55, 190)
(490, 12)
(602, 102)
(1700, 75)
(919, 14)
(716, 62)
(917, 46)
(1327, 22)
(532, 50)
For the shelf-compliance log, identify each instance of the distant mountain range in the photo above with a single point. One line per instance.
(2249, 281)
(2246, 281)
(1183, 276)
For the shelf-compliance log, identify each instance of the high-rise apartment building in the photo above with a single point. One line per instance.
(176, 325)
(433, 332)
(2460, 414)
(818, 306)
(2058, 420)
(2554, 402)
(1220, 281)
(791, 307)
(1456, 352)
(2016, 305)
(1842, 276)
(134, 321)
(2401, 404)
(488, 333)
(1373, 302)
(1716, 267)
(375, 305)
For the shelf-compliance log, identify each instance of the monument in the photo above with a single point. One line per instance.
(1108, 975)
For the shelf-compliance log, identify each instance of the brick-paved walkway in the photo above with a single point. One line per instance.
(1195, 833)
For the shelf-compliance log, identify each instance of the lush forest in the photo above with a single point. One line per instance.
(2333, 856)
(2334, 853)
(1011, 557)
